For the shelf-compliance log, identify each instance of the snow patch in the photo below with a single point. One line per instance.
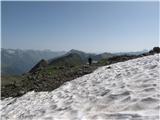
(124, 91)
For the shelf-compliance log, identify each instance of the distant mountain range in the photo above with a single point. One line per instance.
(16, 61)
(131, 53)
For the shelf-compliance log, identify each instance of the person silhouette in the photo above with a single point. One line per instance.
(90, 60)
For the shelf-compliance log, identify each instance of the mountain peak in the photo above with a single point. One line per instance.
(75, 51)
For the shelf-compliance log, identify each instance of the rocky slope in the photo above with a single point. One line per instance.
(123, 91)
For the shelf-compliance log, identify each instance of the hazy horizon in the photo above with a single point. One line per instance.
(93, 27)
(78, 50)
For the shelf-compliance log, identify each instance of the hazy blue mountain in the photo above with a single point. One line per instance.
(131, 53)
(16, 61)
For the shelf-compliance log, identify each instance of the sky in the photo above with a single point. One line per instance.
(88, 26)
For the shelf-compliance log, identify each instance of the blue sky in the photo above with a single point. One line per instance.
(88, 26)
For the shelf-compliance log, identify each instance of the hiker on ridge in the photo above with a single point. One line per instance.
(90, 60)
